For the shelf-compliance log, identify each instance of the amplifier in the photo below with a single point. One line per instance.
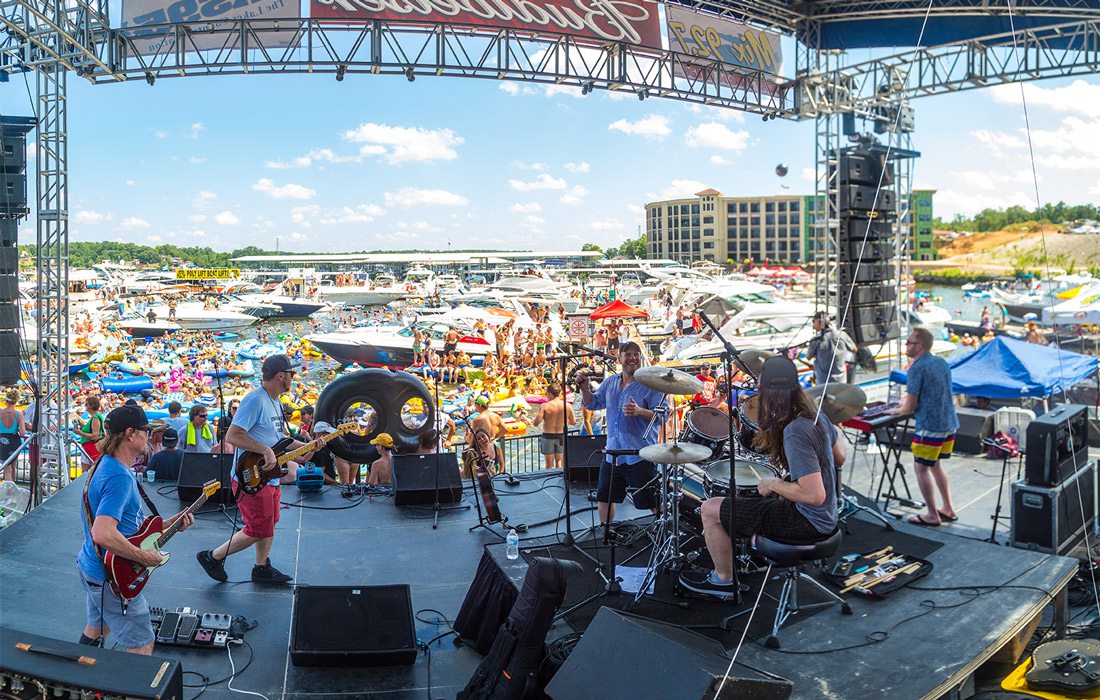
(1050, 518)
(52, 667)
(352, 626)
(417, 476)
(1057, 444)
(200, 467)
(585, 457)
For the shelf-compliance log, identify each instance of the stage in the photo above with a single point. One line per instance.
(933, 639)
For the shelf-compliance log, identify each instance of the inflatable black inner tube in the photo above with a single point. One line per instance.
(396, 403)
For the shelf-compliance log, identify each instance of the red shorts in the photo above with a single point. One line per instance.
(260, 511)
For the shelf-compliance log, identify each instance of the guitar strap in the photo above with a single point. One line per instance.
(99, 552)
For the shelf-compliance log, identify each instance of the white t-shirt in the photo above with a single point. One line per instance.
(261, 417)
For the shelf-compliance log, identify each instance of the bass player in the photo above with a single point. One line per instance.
(113, 512)
(257, 425)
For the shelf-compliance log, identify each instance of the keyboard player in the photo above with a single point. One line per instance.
(929, 398)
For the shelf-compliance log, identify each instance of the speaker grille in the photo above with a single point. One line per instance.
(353, 625)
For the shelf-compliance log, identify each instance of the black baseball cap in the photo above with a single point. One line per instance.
(127, 416)
(273, 364)
(171, 437)
(779, 373)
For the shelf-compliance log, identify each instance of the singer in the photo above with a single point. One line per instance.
(629, 409)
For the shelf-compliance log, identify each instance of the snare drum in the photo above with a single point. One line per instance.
(709, 427)
(716, 478)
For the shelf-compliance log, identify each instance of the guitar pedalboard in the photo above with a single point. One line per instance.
(188, 627)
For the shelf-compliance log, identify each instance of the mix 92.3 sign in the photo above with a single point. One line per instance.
(712, 39)
(145, 20)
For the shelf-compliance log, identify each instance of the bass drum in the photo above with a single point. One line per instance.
(716, 477)
(384, 401)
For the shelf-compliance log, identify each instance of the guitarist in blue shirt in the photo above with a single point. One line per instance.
(113, 512)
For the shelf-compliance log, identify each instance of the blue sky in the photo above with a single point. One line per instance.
(377, 162)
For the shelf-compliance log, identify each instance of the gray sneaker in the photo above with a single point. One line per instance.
(214, 568)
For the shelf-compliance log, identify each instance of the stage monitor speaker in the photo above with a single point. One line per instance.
(199, 468)
(352, 626)
(414, 479)
(864, 273)
(9, 232)
(862, 198)
(865, 251)
(623, 657)
(55, 673)
(1057, 444)
(10, 356)
(585, 457)
(13, 194)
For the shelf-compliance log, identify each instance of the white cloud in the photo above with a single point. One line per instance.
(361, 214)
(679, 189)
(399, 144)
(510, 88)
(414, 196)
(263, 224)
(529, 207)
(196, 129)
(160, 134)
(975, 178)
(581, 167)
(997, 142)
(652, 127)
(635, 209)
(226, 218)
(153, 238)
(968, 202)
(542, 182)
(575, 195)
(89, 216)
(520, 165)
(1095, 189)
(716, 135)
(32, 150)
(302, 215)
(299, 162)
(202, 200)
(567, 90)
(810, 174)
(418, 226)
(533, 224)
(297, 236)
(287, 191)
(606, 225)
(1079, 97)
(131, 183)
(195, 160)
(719, 160)
(197, 218)
(131, 223)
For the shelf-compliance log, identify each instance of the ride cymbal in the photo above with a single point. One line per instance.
(668, 381)
(674, 453)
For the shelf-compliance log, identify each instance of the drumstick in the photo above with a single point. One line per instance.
(878, 579)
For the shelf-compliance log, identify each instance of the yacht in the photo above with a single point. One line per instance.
(378, 293)
(770, 326)
(194, 316)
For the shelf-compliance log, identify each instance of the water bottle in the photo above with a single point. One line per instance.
(872, 441)
(364, 472)
(513, 544)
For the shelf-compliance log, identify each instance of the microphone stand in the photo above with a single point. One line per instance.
(434, 412)
(731, 353)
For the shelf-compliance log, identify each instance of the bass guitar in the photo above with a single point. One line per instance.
(251, 473)
(128, 577)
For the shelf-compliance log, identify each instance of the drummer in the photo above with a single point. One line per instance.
(629, 407)
(796, 438)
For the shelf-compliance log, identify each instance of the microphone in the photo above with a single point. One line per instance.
(619, 453)
(597, 353)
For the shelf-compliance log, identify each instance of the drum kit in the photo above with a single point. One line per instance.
(700, 449)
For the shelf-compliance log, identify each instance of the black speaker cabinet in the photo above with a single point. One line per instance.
(1057, 444)
(865, 273)
(867, 251)
(199, 468)
(13, 193)
(623, 656)
(1051, 518)
(9, 232)
(862, 198)
(353, 626)
(585, 457)
(9, 358)
(856, 228)
(113, 674)
(414, 479)
(9, 288)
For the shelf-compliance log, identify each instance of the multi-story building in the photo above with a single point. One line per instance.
(711, 226)
(779, 229)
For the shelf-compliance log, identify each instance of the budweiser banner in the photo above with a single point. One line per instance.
(159, 40)
(712, 39)
(630, 21)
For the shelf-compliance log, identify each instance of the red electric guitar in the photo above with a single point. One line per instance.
(128, 577)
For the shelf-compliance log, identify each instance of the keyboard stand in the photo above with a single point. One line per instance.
(890, 450)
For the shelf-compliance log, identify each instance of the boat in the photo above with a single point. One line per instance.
(360, 295)
(139, 327)
(1020, 305)
(194, 316)
(392, 347)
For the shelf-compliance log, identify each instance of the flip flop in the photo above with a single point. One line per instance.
(918, 519)
(948, 518)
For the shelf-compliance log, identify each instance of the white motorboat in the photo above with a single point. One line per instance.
(392, 347)
(360, 295)
(193, 316)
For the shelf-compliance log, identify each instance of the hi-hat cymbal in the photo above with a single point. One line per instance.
(839, 402)
(753, 360)
(674, 453)
(668, 381)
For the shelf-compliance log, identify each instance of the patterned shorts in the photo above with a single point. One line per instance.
(930, 447)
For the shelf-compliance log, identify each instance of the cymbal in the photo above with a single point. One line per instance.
(753, 360)
(668, 381)
(839, 402)
(674, 453)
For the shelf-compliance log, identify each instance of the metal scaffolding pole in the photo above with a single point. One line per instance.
(51, 371)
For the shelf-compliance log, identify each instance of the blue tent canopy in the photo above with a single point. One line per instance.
(1006, 368)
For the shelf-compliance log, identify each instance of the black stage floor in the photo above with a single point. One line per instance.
(933, 638)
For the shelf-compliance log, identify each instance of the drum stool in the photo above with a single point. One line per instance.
(792, 556)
